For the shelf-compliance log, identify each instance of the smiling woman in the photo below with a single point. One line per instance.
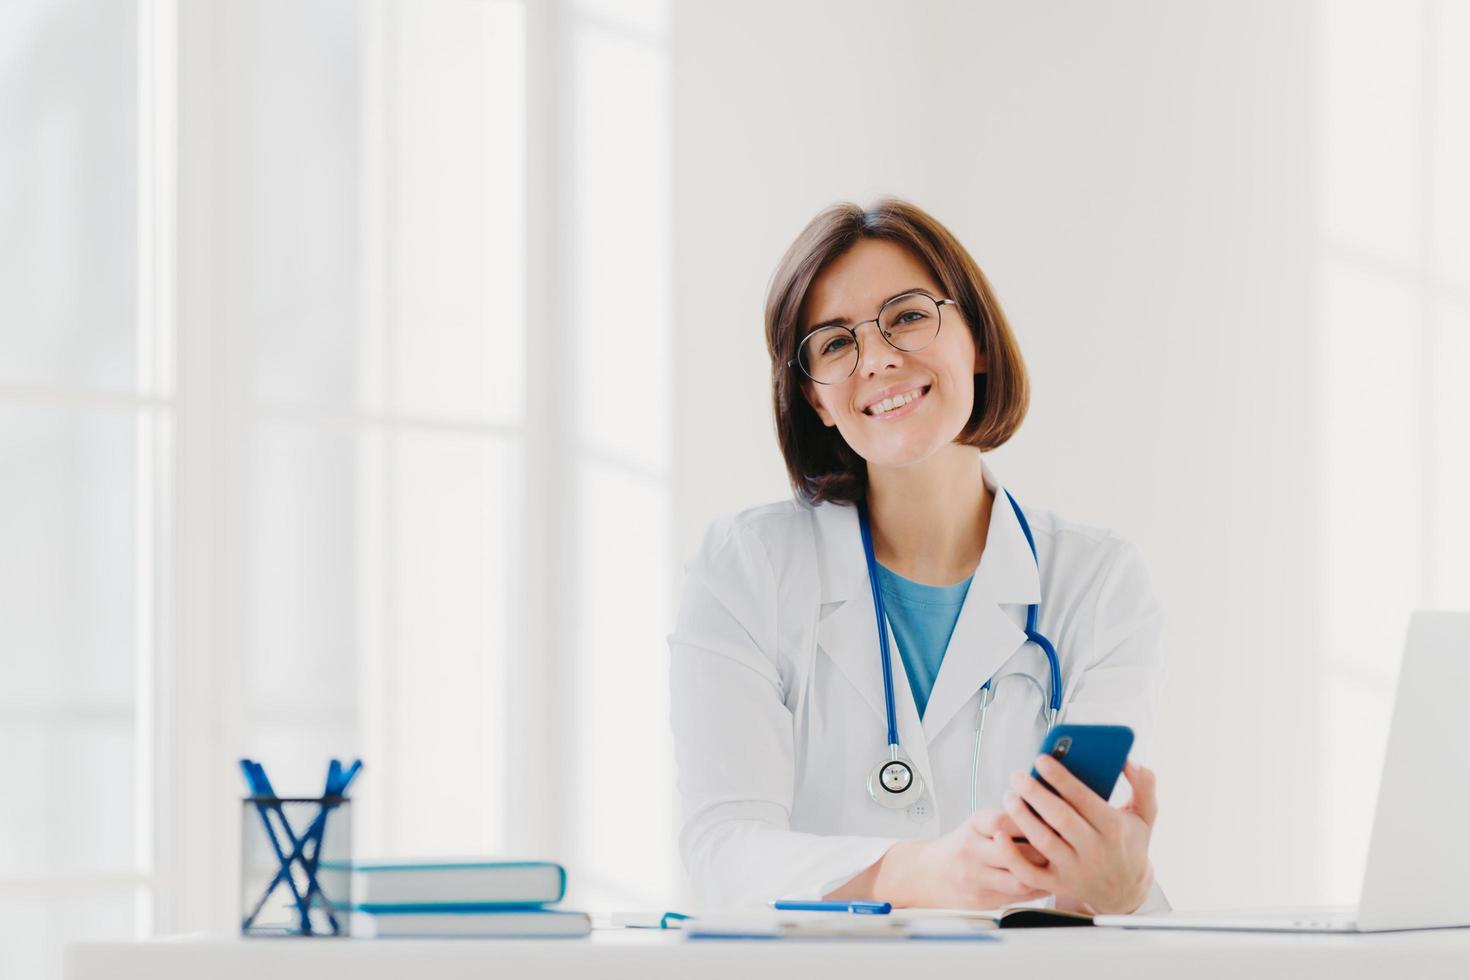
(847, 245)
(893, 370)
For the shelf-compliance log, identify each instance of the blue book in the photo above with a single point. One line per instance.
(467, 885)
(505, 923)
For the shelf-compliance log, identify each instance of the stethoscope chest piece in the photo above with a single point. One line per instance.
(895, 783)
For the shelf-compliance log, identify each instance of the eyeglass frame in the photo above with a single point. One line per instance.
(857, 343)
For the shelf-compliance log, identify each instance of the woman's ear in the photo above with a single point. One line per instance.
(982, 361)
(808, 391)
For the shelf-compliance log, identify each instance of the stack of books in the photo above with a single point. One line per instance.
(464, 898)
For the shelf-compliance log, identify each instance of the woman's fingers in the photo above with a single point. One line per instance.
(1024, 870)
(1009, 826)
(1056, 811)
(986, 823)
(1075, 844)
(1093, 808)
(1027, 851)
(1002, 882)
(1037, 832)
(1145, 800)
(1007, 882)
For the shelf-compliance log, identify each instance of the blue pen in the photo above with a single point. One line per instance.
(314, 834)
(857, 908)
(302, 850)
(259, 784)
(338, 779)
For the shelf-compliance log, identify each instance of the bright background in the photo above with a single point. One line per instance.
(368, 368)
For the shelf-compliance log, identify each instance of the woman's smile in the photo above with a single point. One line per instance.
(896, 406)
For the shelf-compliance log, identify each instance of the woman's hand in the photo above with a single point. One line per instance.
(965, 868)
(1096, 855)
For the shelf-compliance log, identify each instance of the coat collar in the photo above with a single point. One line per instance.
(1006, 574)
(988, 632)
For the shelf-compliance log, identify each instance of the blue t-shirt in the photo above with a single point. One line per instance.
(922, 617)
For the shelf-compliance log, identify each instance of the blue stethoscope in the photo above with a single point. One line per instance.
(894, 783)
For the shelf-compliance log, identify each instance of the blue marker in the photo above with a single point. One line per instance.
(857, 908)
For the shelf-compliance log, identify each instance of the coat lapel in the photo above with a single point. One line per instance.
(991, 625)
(847, 625)
(988, 632)
(847, 632)
(985, 636)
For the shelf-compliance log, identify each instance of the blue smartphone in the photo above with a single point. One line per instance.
(1093, 753)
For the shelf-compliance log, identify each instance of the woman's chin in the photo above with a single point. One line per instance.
(903, 453)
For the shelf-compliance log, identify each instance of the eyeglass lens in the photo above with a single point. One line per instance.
(909, 323)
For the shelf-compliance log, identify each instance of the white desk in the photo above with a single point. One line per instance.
(1047, 954)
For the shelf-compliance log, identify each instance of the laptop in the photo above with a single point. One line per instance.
(1407, 884)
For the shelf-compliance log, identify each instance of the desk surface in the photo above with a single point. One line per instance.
(1041, 953)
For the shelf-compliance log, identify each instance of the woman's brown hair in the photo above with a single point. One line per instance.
(821, 464)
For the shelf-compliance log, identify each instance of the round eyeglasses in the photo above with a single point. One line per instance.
(829, 354)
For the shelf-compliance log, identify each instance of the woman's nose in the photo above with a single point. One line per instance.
(874, 352)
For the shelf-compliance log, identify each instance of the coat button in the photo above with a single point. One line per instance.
(920, 810)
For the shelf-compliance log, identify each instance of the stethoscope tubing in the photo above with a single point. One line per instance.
(882, 616)
(1033, 612)
(1033, 635)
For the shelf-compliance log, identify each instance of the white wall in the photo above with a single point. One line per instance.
(1152, 189)
(1234, 240)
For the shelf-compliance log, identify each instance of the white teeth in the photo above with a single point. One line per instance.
(898, 401)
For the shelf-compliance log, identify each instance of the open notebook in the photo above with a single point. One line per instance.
(900, 923)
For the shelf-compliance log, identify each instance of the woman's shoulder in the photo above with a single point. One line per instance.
(768, 527)
(1097, 592)
(784, 539)
(1076, 536)
(1094, 553)
(769, 518)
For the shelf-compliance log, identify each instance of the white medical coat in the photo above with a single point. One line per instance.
(777, 689)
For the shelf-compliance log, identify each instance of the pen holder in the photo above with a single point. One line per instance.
(295, 866)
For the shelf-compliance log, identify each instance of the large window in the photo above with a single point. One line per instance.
(294, 301)
(381, 355)
(85, 418)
